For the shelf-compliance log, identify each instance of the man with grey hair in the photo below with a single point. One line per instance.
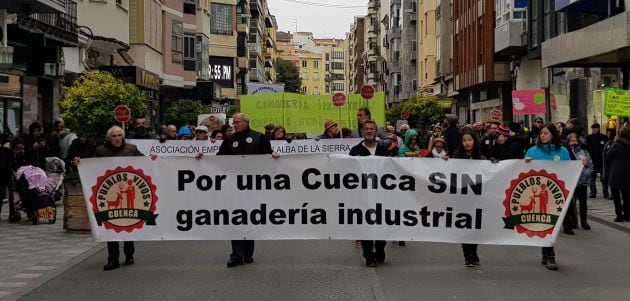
(244, 141)
(115, 146)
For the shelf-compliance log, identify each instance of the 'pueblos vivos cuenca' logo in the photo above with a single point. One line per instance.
(534, 202)
(124, 199)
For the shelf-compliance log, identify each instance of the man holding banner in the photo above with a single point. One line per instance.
(244, 141)
(369, 147)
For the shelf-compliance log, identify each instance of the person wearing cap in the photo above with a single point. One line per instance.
(595, 147)
(331, 130)
(508, 145)
(201, 133)
(438, 150)
(184, 133)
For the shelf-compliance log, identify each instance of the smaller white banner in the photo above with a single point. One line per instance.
(190, 148)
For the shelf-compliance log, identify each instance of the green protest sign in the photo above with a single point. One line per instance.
(617, 102)
(307, 113)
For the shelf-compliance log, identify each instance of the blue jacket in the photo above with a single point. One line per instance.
(547, 152)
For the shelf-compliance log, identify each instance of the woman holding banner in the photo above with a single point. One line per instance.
(548, 147)
(468, 148)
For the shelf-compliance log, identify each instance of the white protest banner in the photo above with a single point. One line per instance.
(327, 197)
(176, 148)
(190, 148)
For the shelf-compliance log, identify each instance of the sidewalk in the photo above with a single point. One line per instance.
(603, 211)
(32, 254)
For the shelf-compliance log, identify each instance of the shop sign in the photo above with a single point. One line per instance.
(221, 71)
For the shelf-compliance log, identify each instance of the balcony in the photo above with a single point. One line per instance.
(61, 27)
(605, 43)
(254, 49)
(242, 8)
(507, 38)
(255, 7)
(413, 18)
(374, 52)
(34, 6)
(242, 27)
(243, 63)
(255, 25)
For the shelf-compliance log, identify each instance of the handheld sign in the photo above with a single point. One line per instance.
(122, 114)
(367, 92)
(404, 115)
(339, 100)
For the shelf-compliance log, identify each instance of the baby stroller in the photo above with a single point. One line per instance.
(37, 191)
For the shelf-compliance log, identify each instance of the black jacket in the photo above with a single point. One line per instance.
(595, 146)
(618, 162)
(511, 149)
(453, 139)
(246, 143)
(489, 147)
(362, 151)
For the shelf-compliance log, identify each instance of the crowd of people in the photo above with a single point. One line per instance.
(606, 155)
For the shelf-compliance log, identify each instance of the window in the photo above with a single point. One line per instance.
(177, 42)
(337, 66)
(316, 64)
(305, 90)
(328, 56)
(221, 21)
(304, 64)
(305, 75)
(338, 87)
(327, 67)
(190, 7)
(315, 75)
(189, 52)
(315, 90)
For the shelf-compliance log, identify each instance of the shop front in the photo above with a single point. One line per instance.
(10, 104)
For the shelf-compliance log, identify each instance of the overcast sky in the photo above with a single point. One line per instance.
(323, 22)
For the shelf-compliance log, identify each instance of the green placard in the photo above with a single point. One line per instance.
(307, 113)
(617, 102)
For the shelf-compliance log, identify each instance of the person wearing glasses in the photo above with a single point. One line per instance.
(535, 132)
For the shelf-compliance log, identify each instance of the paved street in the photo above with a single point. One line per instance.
(43, 262)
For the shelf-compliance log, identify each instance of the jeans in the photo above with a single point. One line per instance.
(242, 249)
(369, 246)
(113, 253)
(621, 210)
(593, 184)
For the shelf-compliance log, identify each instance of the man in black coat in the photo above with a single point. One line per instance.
(595, 146)
(451, 134)
(488, 144)
(244, 141)
(373, 251)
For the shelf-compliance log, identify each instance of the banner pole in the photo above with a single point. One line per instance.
(340, 124)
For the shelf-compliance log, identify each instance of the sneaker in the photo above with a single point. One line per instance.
(469, 263)
(543, 261)
(619, 220)
(586, 226)
(371, 263)
(551, 265)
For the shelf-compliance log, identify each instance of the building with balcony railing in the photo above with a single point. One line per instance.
(409, 43)
(32, 53)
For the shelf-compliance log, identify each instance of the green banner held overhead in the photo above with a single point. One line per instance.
(617, 102)
(307, 113)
